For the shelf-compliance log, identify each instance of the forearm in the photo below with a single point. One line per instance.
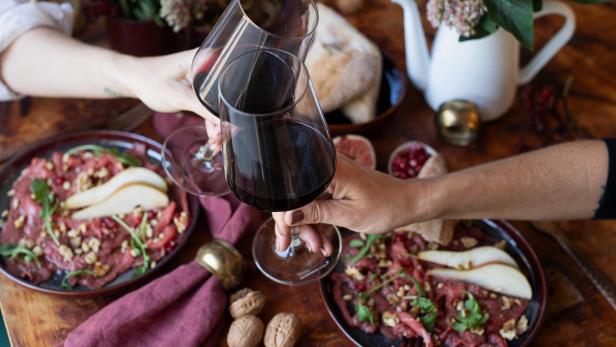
(44, 62)
(559, 182)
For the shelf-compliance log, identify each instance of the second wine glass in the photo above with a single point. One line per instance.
(278, 156)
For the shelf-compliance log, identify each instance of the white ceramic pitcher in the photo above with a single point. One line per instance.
(485, 71)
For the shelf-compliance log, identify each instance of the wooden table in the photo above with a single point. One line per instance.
(577, 313)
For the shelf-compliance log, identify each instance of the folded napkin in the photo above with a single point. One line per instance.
(184, 307)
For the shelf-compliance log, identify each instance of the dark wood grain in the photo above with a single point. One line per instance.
(578, 315)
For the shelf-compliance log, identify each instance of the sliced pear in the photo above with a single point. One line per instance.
(468, 259)
(129, 176)
(498, 278)
(126, 200)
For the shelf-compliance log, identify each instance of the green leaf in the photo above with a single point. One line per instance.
(136, 243)
(459, 327)
(515, 16)
(13, 251)
(76, 273)
(473, 316)
(418, 286)
(364, 314)
(427, 312)
(44, 196)
(362, 252)
(123, 158)
(356, 243)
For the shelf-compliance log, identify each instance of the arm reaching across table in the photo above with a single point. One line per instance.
(565, 181)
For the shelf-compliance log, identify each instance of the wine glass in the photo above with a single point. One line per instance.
(278, 156)
(245, 25)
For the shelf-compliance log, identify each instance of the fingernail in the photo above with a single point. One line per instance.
(297, 216)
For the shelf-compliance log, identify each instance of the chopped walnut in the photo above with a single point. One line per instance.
(101, 270)
(478, 331)
(508, 331)
(101, 173)
(469, 242)
(432, 246)
(347, 297)
(37, 250)
(72, 233)
(15, 203)
(75, 242)
(62, 227)
(94, 244)
(4, 214)
(427, 287)
(181, 222)
(124, 246)
(90, 258)
(521, 326)
(19, 222)
(66, 253)
(83, 182)
(134, 253)
(390, 319)
(49, 166)
(507, 302)
(439, 285)
(10, 193)
(66, 185)
(352, 272)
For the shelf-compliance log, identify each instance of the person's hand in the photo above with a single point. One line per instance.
(164, 83)
(361, 199)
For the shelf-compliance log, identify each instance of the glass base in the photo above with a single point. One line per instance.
(295, 265)
(192, 165)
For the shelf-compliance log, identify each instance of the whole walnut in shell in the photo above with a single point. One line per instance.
(349, 6)
(246, 331)
(282, 331)
(246, 302)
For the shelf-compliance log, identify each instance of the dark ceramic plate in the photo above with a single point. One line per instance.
(121, 140)
(517, 247)
(393, 90)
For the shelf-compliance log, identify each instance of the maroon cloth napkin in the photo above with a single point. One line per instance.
(182, 308)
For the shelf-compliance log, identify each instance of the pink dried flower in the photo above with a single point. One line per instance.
(176, 13)
(462, 15)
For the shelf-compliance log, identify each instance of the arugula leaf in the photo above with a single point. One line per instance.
(428, 312)
(418, 286)
(472, 317)
(66, 285)
(356, 243)
(364, 250)
(123, 158)
(136, 243)
(14, 251)
(44, 196)
(364, 314)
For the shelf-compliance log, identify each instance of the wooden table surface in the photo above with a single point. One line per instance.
(577, 313)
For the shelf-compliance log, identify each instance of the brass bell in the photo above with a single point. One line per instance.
(223, 261)
(458, 122)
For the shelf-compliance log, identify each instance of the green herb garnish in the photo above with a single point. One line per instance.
(356, 243)
(123, 158)
(66, 285)
(364, 313)
(366, 248)
(44, 196)
(427, 312)
(14, 251)
(471, 316)
(418, 286)
(136, 243)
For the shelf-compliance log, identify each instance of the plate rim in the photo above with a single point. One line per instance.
(28, 152)
(525, 248)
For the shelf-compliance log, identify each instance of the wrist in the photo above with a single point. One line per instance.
(426, 198)
(123, 69)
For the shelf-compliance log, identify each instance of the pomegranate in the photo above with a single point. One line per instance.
(358, 148)
(408, 159)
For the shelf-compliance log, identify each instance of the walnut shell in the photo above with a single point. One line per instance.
(349, 6)
(246, 302)
(282, 331)
(246, 331)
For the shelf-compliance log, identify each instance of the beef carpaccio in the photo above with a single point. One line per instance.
(385, 288)
(91, 252)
